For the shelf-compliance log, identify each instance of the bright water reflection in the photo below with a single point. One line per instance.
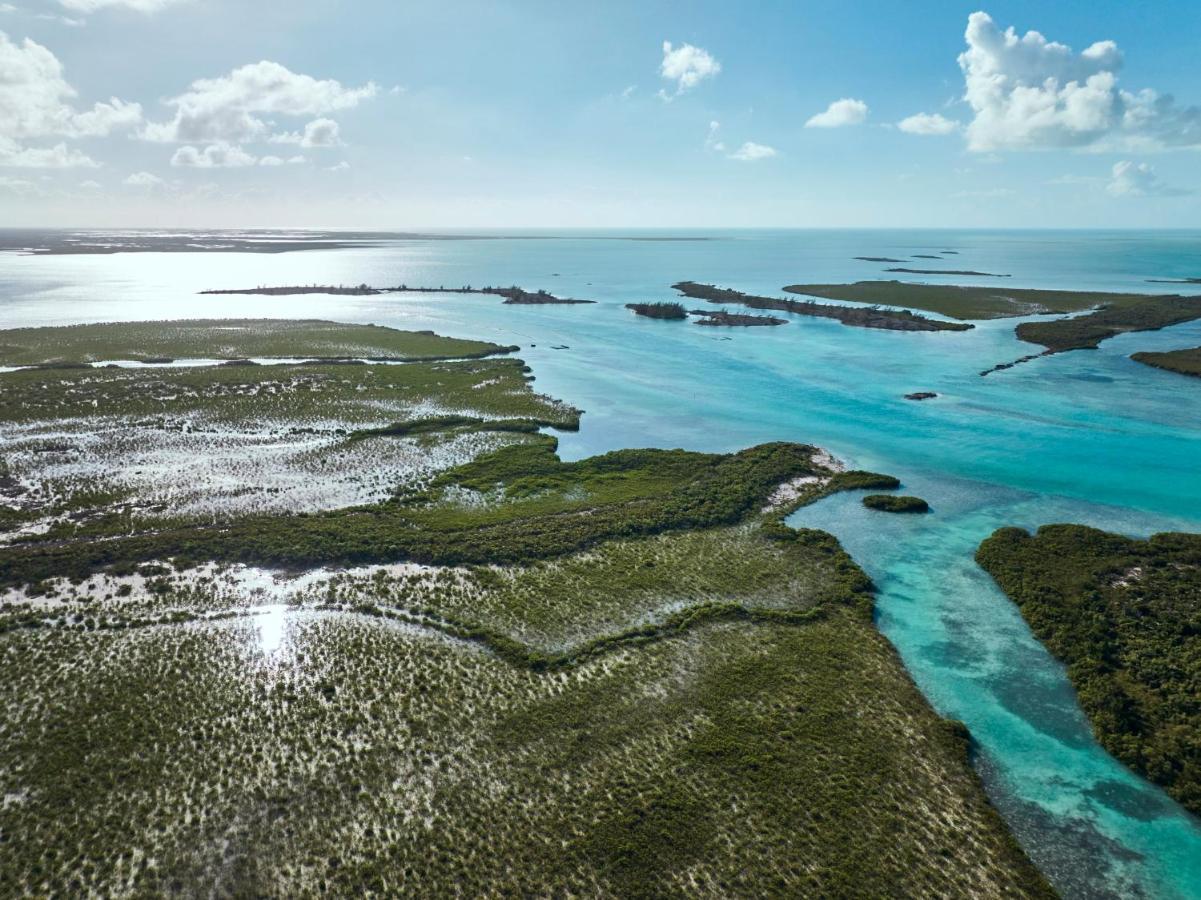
(1089, 437)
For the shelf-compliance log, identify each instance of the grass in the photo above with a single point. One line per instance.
(966, 302)
(895, 504)
(1186, 362)
(1088, 331)
(1124, 616)
(777, 752)
(227, 339)
(622, 675)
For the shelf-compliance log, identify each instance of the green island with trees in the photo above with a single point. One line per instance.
(1124, 616)
(1184, 362)
(509, 674)
(896, 504)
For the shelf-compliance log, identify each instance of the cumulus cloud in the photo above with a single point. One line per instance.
(752, 152)
(1031, 93)
(145, 6)
(280, 161)
(35, 98)
(712, 139)
(927, 124)
(230, 109)
(1130, 179)
(847, 111)
(60, 156)
(220, 155)
(318, 133)
(144, 180)
(687, 66)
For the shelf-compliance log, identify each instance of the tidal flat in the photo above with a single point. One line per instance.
(619, 675)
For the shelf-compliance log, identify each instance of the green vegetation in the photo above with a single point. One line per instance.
(896, 504)
(228, 339)
(1125, 617)
(857, 480)
(518, 676)
(735, 320)
(1086, 332)
(1186, 362)
(659, 310)
(963, 302)
(892, 320)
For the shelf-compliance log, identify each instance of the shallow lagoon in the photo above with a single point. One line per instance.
(1089, 436)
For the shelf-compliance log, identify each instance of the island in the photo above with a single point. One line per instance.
(1124, 616)
(966, 272)
(659, 310)
(893, 320)
(723, 317)
(1184, 362)
(896, 504)
(513, 295)
(921, 395)
(966, 302)
(316, 628)
(879, 259)
(1088, 331)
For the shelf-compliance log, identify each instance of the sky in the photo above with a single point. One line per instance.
(405, 114)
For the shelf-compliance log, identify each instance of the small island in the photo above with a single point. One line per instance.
(734, 320)
(861, 317)
(1183, 362)
(659, 310)
(513, 294)
(965, 272)
(896, 504)
(921, 395)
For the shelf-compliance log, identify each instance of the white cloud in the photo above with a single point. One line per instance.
(752, 152)
(7, 8)
(846, 111)
(220, 155)
(230, 108)
(35, 98)
(318, 133)
(145, 6)
(17, 185)
(60, 156)
(687, 66)
(984, 194)
(144, 180)
(340, 167)
(1130, 179)
(927, 124)
(1031, 93)
(712, 141)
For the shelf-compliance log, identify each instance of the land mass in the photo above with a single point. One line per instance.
(893, 320)
(659, 310)
(948, 272)
(514, 294)
(966, 302)
(501, 673)
(724, 318)
(1088, 331)
(1186, 362)
(1124, 615)
(896, 504)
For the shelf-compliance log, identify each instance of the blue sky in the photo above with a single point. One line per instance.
(523, 114)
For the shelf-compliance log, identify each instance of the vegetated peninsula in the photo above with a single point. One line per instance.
(1088, 331)
(512, 295)
(965, 301)
(1186, 362)
(228, 339)
(1124, 615)
(659, 310)
(894, 320)
(472, 667)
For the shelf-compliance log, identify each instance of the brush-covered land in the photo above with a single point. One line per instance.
(861, 317)
(510, 675)
(966, 302)
(1088, 331)
(1125, 617)
(228, 339)
(1186, 362)
(894, 503)
(659, 310)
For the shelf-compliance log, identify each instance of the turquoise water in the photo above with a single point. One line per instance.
(1085, 437)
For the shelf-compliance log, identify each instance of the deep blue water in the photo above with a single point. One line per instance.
(1084, 437)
